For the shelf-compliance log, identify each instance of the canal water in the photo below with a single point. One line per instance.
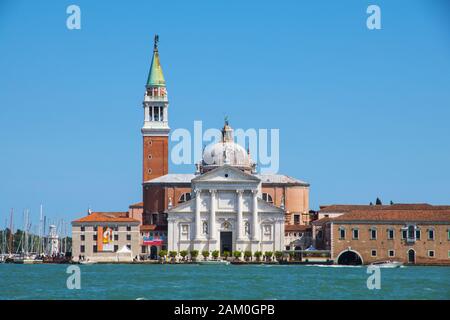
(221, 282)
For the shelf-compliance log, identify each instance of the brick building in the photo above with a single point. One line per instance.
(410, 233)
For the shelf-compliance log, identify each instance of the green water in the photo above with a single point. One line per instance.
(221, 282)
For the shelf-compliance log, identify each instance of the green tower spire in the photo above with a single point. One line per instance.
(155, 76)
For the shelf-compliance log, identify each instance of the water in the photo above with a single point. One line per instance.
(221, 282)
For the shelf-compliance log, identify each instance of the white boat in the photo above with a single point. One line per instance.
(387, 264)
(27, 260)
(87, 262)
(214, 262)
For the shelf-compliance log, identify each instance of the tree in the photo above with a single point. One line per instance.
(205, 254)
(268, 255)
(237, 254)
(278, 255)
(258, 255)
(163, 253)
(291, 256)
(215, 254)
(392, 202)
(183, 254)
(247, 255)
(172, 255)
(378, 202)
(226, 254)
(194, 254)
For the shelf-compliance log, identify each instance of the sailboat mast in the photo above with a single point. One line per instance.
(40, 230)
(11, 227)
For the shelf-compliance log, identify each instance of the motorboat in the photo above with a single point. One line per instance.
(214, 262)
(387, 264)
(87, 262)
(27, 260)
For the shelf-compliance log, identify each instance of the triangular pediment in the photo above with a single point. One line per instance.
(264, 206)
(226, 173)
(187, 206)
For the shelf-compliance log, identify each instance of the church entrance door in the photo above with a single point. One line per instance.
(226, 242)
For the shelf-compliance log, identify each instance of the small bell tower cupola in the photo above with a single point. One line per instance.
(156, 129)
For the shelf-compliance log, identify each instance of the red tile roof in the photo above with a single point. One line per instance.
(107, 217)
(397, 206)
(430, 215)
(137, 205)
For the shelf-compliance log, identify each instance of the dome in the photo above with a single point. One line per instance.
(226, 152)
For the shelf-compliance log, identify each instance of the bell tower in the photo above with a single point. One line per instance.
(155, 130)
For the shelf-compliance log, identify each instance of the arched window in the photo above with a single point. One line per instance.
(267, 197)
(185, 197)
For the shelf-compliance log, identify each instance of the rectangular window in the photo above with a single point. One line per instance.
(417, 234)
(94, 237)
(162, 113)
(128, 228)
(449, 254)
(431, 253)
(156, 115)
(154, 218)
(342, 233)
(82, 229)
(390, 234)
(373, 234)
(129, 237)
(94, 248)
(129, 246)
(116, 248)
(116, 237)
(430, 234)
(355, 234)
(296, 218)
(373, 253)
(150, 111)
(448, 234)
(82, 237)
(143, 249)
(95, 228)
(82, 249)
(404, 234)
(391, 253)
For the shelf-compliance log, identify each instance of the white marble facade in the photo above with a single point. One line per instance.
(226, 213)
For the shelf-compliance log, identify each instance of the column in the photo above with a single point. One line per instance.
(212, 216)
(146, 113)
(255, 229)
(166, 114)
(198, 222)
(240, 223)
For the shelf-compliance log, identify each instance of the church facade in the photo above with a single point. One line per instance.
(223, 205)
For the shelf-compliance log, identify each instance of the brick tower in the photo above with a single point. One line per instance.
(156, 129)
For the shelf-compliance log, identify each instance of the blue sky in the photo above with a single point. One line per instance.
(361, 113)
